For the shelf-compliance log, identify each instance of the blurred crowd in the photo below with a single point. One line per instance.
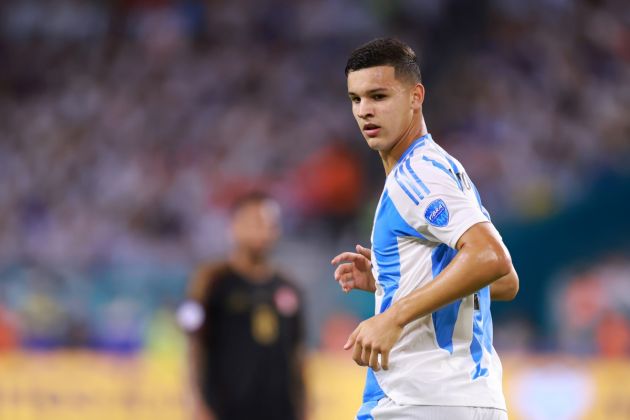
(591, 308)
(128, 127)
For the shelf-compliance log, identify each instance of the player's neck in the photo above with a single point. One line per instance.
(390, 157)
(254, 268)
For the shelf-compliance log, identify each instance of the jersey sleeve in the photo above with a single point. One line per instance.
(193, 312)
(440, 206)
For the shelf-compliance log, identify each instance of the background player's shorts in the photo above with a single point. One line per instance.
(386, 409)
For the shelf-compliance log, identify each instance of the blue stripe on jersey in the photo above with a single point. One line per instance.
(442, 167)
(482, 332)
(410, 181)
(388, 227)
(415, 175)
(476, 194)
(450, 161)
(372, 391)
(484, 306)
(475, 347)
(456, 171)
(444, 318)
(365, 412)
(483, 209)
(398, 178)
(417, 143)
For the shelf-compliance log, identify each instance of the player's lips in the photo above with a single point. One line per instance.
(371, 130)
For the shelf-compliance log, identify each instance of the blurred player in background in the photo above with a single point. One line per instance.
(245, 326)
(435, 263)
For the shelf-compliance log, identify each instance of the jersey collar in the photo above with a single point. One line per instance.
(416, 143)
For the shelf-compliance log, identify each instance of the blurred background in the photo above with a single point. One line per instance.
(127, 127)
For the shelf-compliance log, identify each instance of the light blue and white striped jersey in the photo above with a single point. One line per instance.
(445, 358)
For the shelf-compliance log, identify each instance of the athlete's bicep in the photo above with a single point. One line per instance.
(482, 234)
(192, 313)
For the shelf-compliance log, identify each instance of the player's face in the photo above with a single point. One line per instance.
(256, 227)
(383, 106)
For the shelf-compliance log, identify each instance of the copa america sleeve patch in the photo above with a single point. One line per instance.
(436, 213)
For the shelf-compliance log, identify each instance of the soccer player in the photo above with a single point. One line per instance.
(435, 263)
(245, 326)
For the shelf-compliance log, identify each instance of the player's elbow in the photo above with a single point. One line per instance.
(489, 255)
(498, 261)
(513, 289)
(509, 286)
(504, 263)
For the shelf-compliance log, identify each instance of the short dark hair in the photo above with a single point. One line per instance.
(251, 197)
(386, 52)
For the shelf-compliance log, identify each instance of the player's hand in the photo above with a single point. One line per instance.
(203, 412)
(373, 337)
(354, 270)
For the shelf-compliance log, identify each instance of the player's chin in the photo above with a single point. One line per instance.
(375, 143)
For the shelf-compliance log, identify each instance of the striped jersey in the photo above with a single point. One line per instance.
(447, 357)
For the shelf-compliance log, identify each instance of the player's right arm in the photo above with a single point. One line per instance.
(200, 409)
(354, 270)
(192, 318)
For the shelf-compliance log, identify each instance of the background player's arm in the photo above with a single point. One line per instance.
(481, 259)
(300, 396)
(298, 361)
(197, 352)
(201, 410)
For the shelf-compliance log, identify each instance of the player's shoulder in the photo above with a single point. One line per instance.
(288, 296)
(425, 172)
(435, 166)
(286, 280)
(412, 176)
(206, 276)
(430, 157)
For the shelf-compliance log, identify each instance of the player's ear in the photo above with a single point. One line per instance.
(417, 96)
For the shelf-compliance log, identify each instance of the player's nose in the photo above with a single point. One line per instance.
(365, 110)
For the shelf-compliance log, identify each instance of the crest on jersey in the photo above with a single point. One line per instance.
(286, 301)
(436, 213)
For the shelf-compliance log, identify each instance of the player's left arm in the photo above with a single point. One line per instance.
(481, 260)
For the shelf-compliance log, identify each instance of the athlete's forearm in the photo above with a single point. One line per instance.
(506, 287)
(473, 268)
(299, 386)
(195, 366)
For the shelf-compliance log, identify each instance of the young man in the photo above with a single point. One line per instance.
(245, 325)
(435, 263)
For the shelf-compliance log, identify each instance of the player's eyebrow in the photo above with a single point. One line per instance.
(370, 92)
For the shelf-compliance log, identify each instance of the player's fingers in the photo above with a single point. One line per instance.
(374, 360)
(341, 270)
(365, 355)
(385, 360)
(356, 354)
(346, 282)
(347, 278)
(364, 251)
(345, 257)
(353, 337)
